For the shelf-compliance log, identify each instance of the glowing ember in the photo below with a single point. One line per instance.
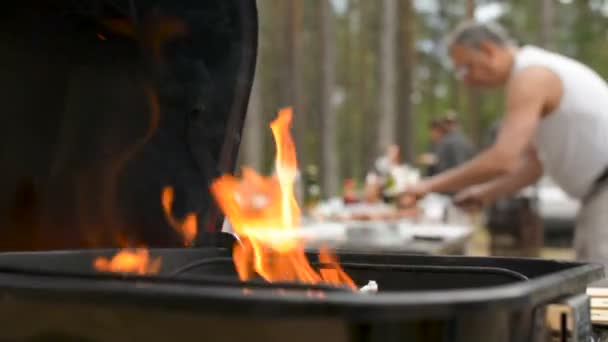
(265, 215)
(152, 33)
(138, 261)
(129, 261)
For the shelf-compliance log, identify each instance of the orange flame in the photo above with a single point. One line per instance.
(137, 261)
(265, 214)
(187, 227)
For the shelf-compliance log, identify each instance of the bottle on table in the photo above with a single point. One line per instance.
(349, 195)
(312, 195)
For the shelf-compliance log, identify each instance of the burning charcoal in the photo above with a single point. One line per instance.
(371, 287)
(126, 261)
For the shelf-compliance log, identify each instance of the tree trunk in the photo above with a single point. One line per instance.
(388, 80)
(473, 95)
(294, 82)
(405, 131)
(455, 87)
(351, 119)
(358, 78)
(272, 71)
(366, 90)
(547, 11)
(252, 146)
(470, 10)
(584, 33)
(330, 160)
(311, 80)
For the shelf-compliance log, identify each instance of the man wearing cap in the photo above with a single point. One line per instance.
(556, 121)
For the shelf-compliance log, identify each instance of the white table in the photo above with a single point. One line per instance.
(401, 236)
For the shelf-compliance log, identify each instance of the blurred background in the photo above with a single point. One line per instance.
(362, 75)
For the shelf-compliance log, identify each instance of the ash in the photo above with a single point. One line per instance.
(371, 287)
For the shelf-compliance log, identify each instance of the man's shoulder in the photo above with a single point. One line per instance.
(538, 55)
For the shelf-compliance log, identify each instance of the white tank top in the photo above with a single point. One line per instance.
(572, 141)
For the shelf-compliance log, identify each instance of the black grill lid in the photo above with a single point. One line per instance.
(106, 102)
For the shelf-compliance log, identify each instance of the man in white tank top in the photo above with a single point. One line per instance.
(556, 122)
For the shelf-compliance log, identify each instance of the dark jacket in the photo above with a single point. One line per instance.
(453, 150)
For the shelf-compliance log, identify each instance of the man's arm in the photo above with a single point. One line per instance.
(527, 96)
(529, 172)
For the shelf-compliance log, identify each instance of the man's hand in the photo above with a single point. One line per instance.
(476, 197)
(427, 159)
(473, 198)
(412, 194)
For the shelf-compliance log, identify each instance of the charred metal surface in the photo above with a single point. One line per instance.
(105, 103)
(421, 298)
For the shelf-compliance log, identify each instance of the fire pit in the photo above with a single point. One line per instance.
(197, 295)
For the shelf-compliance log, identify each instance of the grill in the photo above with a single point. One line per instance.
(198, 295)
(118, 116)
